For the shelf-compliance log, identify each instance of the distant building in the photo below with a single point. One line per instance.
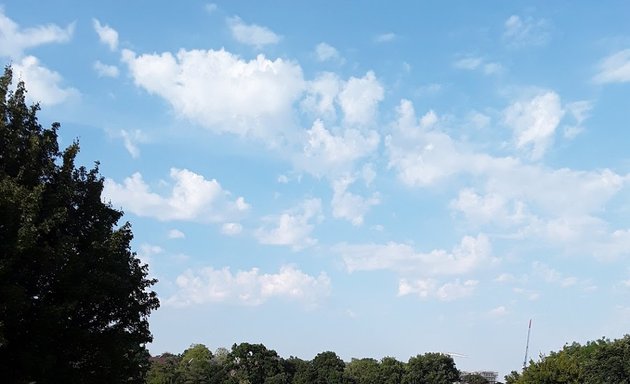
(491, 376)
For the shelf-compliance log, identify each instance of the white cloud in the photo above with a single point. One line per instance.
(349, 206)
(534, 122)
(293, 227)
(131, 140)
(614, 68)
(469, 63)
(419, 155)
(425, 157)
(321, 94)
(489, 208)
(251, 34)
(552, 276)
(44, 85)
(521, 32)
(470, 254)
(385, 37)
(15, 40)
(176, 234)
(104, 70)
(429, 288)
(359, 99)
(106, 34)
(211, 7)
(231, 229)
(326, 52)
(252, 287)
(499, 311)
(478, 63)
(529, 294)
(147, 251)
(192, 198)
(327, 154)
(220, 91)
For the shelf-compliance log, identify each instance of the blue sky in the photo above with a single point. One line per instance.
(372, 179)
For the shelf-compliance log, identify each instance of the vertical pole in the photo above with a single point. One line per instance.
(529, 330)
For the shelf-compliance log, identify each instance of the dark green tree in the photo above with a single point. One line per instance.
(364, 371)
(596, 362)
(391, 370)
(328, 368)
(74, 298)
(195, 365)
(610, 363)
(473, 378)
(255, 364)
(163, 369)
(431, 368)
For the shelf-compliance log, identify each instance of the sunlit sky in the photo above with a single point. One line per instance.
(372, 178)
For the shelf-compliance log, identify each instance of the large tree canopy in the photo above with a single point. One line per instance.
(74, 298)
(596, 362)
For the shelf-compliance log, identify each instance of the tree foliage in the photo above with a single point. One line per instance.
(473, 378)
(431, 368)
(74, 299)
(596, 362)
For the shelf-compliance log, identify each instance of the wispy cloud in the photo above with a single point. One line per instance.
(14, 40)
(104, 70)
(106, 34)
(209, 285)
(385, 37)
(522, 32)
(614, 68)
(251, 34)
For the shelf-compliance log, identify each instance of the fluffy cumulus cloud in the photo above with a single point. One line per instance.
(526, 31)
(471, 254)
(221, 91)
(359, 99)
(558, 205)
(251, 34)
(44, 86)
(321, 95)
(191, 198)
(231, 229)
(421, 155)
(326, 52)
(431, 288)
(614, 68)
(349, 206)
(106, 34)
(252, 287)
(326, 153)
(176, 234)
(293, 227)
(105, 70)
(14, 40)
(534, 122)
(488, 208)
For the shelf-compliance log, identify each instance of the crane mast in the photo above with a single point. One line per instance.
(529, 330)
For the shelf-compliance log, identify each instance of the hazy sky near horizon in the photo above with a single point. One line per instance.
(373, 179)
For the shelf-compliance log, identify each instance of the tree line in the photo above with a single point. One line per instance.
(256, 364)
(602, 361)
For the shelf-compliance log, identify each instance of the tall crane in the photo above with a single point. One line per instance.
(529, 331)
